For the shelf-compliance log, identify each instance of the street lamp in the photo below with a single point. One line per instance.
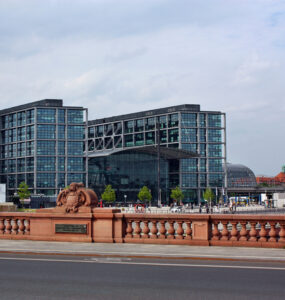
(125, 196)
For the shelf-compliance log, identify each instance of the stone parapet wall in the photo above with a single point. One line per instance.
(106, 225)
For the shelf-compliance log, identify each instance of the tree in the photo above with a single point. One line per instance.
(109, 194)
(144, 194)
(23, 191)
(177, 194)
(208, 195)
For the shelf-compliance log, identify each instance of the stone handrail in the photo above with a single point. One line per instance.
(213, 230)
(14, 225)
(111, 225)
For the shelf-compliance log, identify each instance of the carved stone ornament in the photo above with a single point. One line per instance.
(76, 196)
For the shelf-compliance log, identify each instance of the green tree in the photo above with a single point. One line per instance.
(177, 194)
(109, 194)
(144, 194)
(23, 191)
(208, 195)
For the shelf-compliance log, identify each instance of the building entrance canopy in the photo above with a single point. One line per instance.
(165, 152)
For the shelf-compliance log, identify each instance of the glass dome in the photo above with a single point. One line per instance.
(240, 176)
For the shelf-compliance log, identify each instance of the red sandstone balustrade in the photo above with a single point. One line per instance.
(188, 229)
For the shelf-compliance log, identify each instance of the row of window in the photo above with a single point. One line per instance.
(190, 135)
(44, 115)
(199, 120)
(191, 165)
(191, 180)
(45, 180)
(74, 148)
(44, 163)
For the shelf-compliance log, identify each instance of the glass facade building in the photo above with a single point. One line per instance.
(43, 144)
(182, 127)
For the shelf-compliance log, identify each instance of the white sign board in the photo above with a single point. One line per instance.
(2, 193)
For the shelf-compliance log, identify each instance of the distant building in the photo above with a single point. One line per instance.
(122, 151)
(272, 181)
(42, 143)
(49, 145)
(240, 176)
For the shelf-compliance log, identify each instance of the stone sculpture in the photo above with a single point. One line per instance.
(75, 197)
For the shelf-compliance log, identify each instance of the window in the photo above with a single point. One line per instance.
(214, 135)
(139, 125)
(189, 135)
(46, 115)
(173, 135)
(108, 129)
(139, 139)
(61, 116)
(214, 120)
(46, 180)
(61, 132)
(118, 128)
(189, 165)
(150, 124)
(46, 131)
(45, 147)
(99, 131)
(129, 126)
(173, 120)
(46, 163)
(75, 132)
(163, 121)
(188, 120)
(74, 116)
(75, 164)
(129, 141)
(150, 138)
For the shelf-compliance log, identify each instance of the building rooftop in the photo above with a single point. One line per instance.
(147, 113)
(39, 103)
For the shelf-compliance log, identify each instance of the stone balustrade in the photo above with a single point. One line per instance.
(111, 225)
(14, 226)
(255, 231)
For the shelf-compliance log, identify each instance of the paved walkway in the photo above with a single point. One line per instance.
(142, 250)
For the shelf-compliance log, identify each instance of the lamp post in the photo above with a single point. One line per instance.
(158, 165)
(125, 196)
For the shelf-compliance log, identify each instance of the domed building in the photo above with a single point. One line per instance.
(240, 176)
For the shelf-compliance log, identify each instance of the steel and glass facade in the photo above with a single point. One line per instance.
(180, 127)
(49, 145)
(43, 144)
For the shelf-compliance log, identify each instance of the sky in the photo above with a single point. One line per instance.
(123, 56)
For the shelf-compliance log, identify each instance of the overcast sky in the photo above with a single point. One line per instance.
(123, 56)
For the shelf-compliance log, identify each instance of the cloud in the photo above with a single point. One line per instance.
(118, 57)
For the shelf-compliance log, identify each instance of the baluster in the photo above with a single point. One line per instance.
(153, 230)
(170, 230)
(215, 232)
(129, 229)
(8, 226)
(162, 229)
(253, 232)
(272, 232)
(2, 226)
(27, 227)
(234, 231)
(282, 232)
(225, 232)
(137, 230)
(262, 232)
(179, 231)
(21, 227)
(15, 226)
(243, 231)
(188, 231)
(145, 230)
